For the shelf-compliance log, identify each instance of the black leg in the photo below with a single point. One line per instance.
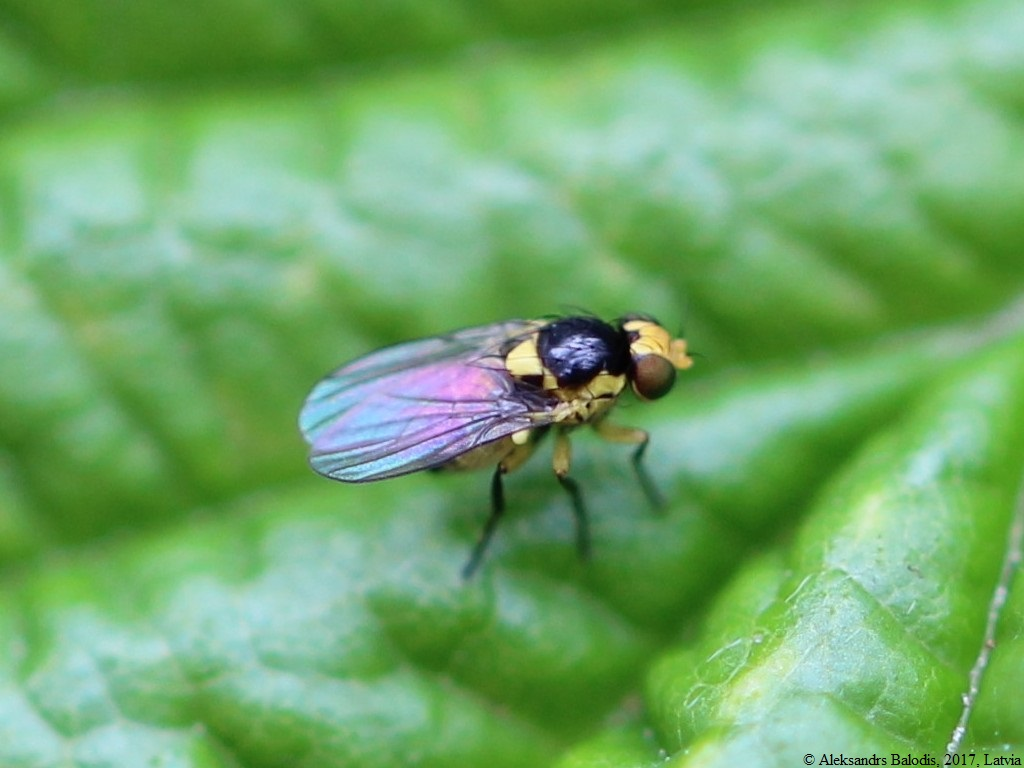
(560, 462)
(580, 512)
(497, 509)
(654, 497)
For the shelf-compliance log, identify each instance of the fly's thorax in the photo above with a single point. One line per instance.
(581, 361)
(575, 350)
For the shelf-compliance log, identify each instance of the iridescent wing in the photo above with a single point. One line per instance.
(418, 405)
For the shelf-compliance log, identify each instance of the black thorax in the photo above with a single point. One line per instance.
(576, 349)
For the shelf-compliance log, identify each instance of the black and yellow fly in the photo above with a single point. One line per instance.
(485, 396)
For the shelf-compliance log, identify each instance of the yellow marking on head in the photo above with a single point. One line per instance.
(678, 355)
(653, 339)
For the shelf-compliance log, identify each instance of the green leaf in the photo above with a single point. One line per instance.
(205, 209)
(871, 615)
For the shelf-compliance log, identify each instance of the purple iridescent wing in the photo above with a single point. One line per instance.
(418, 405)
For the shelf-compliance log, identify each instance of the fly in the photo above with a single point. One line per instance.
(484, 397)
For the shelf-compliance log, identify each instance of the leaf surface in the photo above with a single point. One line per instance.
(204, 210)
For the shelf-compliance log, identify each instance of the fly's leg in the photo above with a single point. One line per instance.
(523, 444)
(639, 438)
(562, 459)
(497, 510)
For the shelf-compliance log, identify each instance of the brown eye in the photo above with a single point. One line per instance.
(653, 376)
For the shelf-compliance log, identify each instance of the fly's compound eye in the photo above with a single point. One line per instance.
(653, 376)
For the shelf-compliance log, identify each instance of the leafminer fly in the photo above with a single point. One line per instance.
(484, 396)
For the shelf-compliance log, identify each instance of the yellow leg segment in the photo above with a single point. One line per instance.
(563, 454)
(639, 438)
(616, 434)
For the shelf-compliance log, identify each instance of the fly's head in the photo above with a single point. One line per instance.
(655, 356)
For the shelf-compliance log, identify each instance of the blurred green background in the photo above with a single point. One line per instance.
(205, 207)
